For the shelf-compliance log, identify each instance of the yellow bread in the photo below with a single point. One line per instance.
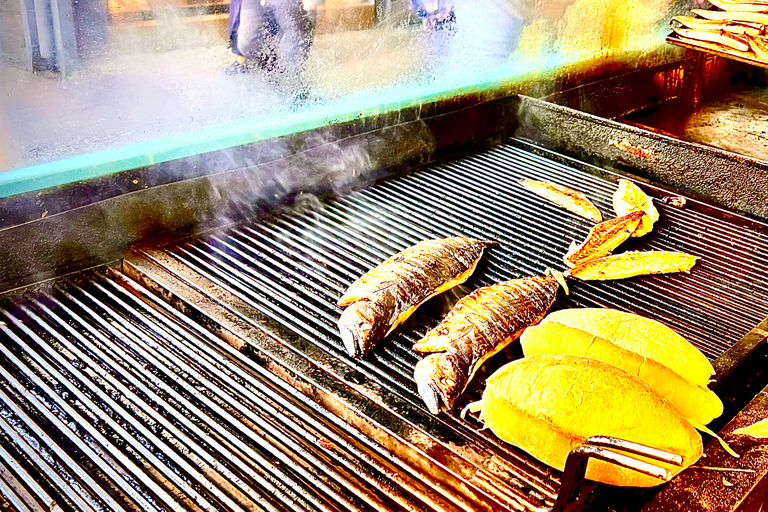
(548, 405)
(696, 403)
(643, 336)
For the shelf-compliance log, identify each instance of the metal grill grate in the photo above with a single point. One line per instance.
(294, 266)
(290, 269)
(110, 398)
(108, 401)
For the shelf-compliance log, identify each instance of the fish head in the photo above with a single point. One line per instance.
(436, 379)
(361, 325)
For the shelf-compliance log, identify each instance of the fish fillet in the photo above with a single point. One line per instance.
(631, 264)
(604, 238)
(629, 198)
(713, 36)
(702, 24)
(572, 200)
(752, 17)
(759, 45)
(740, 6)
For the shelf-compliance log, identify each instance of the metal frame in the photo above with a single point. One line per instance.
(608, 449)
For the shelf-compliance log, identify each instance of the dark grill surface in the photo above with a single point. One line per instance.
(110, 398)
(107, 403)
(295, 266)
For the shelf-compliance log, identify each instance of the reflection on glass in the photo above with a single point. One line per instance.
(79, 76)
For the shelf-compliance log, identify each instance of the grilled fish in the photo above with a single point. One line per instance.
(632, 264)
(572, 200)
(604, 238)
(702, 24)
(384, 297)
(478, 326)
(629, 198)
(751, 17)
(718, 37)
(759, 45)
(740, 6)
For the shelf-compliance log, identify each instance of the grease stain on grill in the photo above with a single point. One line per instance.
(355, 377)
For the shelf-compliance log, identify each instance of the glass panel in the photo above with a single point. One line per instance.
(100, 76)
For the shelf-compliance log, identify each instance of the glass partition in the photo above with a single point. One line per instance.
(114, 83)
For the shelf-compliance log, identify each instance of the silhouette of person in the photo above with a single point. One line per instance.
(273, 36)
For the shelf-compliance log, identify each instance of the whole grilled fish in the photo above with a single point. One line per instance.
(384, 297)
(478, 326)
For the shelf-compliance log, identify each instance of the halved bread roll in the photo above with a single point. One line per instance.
(548, 405)
(698, 404)
(643, 336)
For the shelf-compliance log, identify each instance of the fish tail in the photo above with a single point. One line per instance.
(559, 277)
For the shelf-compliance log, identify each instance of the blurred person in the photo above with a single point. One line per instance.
(273, 36)
(489, 30)
(434, 14)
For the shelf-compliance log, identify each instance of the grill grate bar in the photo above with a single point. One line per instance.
(324, 250)
(340, 433)
(179, 474)
(73, 433)
(22, 491)
(74, 493)
(271, 413)
(241, 431)
(181, 441)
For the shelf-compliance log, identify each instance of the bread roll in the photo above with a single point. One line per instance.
(548, 405)
(698, 404)
(642, 336)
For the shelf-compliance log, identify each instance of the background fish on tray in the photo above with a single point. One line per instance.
(733, 28)
(385, 296)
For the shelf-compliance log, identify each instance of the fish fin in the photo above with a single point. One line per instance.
(560, 278)
(428, 389)
(471, 407)
(726, 447)
(439, 343)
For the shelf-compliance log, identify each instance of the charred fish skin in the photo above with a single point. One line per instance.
(388, 294)
(604, 238)
(479, 326)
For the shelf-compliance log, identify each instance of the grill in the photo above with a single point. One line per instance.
(210, 375)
